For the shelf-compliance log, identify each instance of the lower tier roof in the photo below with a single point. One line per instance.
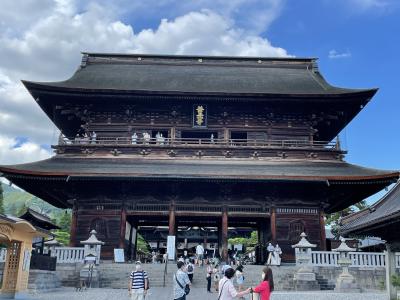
(333, 184)
(198, 169)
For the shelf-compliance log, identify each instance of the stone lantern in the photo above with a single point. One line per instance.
(92, 247)
(345, 282)
(304, 278)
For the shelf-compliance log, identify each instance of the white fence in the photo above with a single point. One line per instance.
(3, 254)
(359, 259)
(68, 254)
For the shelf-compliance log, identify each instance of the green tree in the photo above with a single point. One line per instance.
(142, 244)
(64, 221)
(247, 242)
(21, 210)
(62, 237)
(333, 219)
(1, 199)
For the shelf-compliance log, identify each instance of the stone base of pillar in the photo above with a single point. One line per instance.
(304, 285)
(347, 283)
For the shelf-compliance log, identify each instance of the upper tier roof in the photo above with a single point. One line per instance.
(211, 75)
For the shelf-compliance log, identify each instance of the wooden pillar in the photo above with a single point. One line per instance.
(171, 220)
(263, 240)
(122, 229)
(74, 226)
(322, 233)
(134, 254)
(273, 224)
(130, 243)
(224, 234)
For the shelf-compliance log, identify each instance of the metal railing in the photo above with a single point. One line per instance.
(161, 141)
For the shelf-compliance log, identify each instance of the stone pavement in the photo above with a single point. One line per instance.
(198, 293)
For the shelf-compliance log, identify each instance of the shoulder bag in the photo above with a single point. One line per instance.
(186, 289)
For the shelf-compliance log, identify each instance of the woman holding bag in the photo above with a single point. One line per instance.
(227, 290)
(266, 286)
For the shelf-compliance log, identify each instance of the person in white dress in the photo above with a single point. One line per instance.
(277, 255)
(270, 250)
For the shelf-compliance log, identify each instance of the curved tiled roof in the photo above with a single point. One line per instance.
(386, 209)
(199, 74)
(197, 169)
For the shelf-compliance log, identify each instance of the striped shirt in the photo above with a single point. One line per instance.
(138, 279)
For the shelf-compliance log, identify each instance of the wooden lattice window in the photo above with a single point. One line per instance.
(100, 225)
(295, 229)
(11, 268)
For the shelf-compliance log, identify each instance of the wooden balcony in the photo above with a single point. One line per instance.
(235, 148)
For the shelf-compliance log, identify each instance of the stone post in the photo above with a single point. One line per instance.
(390, 263)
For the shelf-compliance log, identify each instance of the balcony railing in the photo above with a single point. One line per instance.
(236, 143)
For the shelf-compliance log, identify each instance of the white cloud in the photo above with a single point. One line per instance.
(43, 43)
(11, 152)
(368, 4)
(333, 54)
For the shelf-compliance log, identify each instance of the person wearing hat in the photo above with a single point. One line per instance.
(138, 283)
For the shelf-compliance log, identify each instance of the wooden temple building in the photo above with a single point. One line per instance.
(381, 220)
(198, 141)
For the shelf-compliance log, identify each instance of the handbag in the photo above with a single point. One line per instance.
(186, 289)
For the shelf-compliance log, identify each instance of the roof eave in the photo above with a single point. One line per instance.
(57, 87)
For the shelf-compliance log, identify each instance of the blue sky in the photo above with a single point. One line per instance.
(356, 41)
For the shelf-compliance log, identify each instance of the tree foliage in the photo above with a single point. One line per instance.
(247, 242)
(333, 219)
(142, 244)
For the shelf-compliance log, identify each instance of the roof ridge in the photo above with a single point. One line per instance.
(199, 56)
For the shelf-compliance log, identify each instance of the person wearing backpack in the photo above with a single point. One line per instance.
(190, 270)
(138, 283)
(181, 282)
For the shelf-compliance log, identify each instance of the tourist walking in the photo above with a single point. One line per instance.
(239, 277)
(199, 254)
(266, 286)
(216, 277)
(138, 283)
(209, 271)
(181, 282)
(190, 270)
(226, 288)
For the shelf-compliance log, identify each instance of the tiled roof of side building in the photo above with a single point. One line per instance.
(387, 208)
(200, 75)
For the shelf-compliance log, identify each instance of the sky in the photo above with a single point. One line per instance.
(357, 43)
